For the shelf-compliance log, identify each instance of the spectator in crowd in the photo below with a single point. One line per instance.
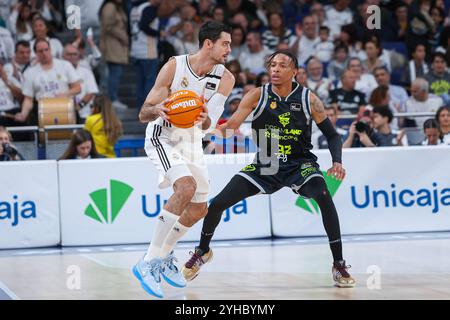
(361, 133)
(338, 64)
(262, 79)
(421, 101)
(21, 61)
(349, 38)
(244, 7)
(397, 94)
(8, 152)
(318, 12)
(145, 27)
(321, 142)
(241, 20)
(307, 38)
(240, 77)
(40, 32)
(417, 67)
(188, 43)
(337, 15)
(432, 133)
(89, 88)
(381, 97)
(114, 43)
(237, 42)
(302, 77)
(438, 16)
(385, 135)
(218, 14)
(104, 126)
(443, 119)
(185, 12)
(231, 106)
(6, 46)
(52, 12)
(253, 60)
(277, 32)
(439, 78)
(20, 22)
(320, 85)
(10, 95)
(347, 99)
(400, 21)
(373, 53)
(421, 25)
(365, 82)
(87, 60)
(323, 50)
(49, 78)
(81, 146)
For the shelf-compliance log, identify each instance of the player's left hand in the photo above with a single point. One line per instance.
(203, 117)
(336, 171)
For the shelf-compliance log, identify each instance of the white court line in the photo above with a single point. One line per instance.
(8, 291)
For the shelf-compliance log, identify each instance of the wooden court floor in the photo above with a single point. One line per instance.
(405, 266)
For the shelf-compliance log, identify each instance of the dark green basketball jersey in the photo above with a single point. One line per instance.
(283, 124)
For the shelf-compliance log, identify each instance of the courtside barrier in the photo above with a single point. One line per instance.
(403, 189)
(116, 201)
(29, 205)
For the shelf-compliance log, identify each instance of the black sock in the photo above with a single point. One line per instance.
(205, 240)
(317, 190)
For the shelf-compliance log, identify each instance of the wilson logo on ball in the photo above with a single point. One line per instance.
(184, 107)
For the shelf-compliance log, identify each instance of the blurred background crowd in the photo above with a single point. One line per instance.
(373, 81)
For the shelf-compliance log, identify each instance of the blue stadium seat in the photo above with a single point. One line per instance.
(400, 47)
(133, 144)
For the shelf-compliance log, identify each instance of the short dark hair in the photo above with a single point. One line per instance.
(211, 30)
(324, 28)
(384, 68)
(438, 55)
(291, 56)
(340, 46)
(23, 43)
(384, 112)
(39, 41)
(430, 124)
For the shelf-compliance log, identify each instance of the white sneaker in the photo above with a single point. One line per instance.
(119, 105)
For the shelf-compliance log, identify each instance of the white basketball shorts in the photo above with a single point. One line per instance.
(175, 159)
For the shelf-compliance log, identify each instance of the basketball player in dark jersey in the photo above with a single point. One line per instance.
(283, 112)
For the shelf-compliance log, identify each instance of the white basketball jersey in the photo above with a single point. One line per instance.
(188, 141)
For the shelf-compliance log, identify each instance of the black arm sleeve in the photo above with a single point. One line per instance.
(333, 138)
(148, 15)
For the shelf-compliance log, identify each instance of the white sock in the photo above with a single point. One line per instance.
(163, 226)
(175, 234)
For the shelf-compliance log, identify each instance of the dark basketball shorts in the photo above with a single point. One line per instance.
(292, 175)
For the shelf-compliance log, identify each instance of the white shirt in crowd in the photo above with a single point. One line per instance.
(55, 45)
(431, 105)
(253, 62)
(18, 36)
(88, 85)
(324, 51)
(365, 84)
(40, 83)
(183, 47)
(7, 101)
(322, 87)
(336, 19)
(306, 48)
(6, 45)
(15, 70)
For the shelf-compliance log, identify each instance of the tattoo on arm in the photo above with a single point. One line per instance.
(317, 105)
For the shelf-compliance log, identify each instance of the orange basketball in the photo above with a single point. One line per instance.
(185, 106)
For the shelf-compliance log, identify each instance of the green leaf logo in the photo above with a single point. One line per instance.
(104, 212)
(311, 205)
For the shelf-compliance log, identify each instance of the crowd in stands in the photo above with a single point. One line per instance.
(365, 76)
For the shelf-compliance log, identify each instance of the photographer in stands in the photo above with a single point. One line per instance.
(8, 152)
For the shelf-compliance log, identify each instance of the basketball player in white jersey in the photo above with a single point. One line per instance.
(177, 153)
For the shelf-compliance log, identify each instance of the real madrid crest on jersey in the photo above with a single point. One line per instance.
(184, 82)
(273, 105)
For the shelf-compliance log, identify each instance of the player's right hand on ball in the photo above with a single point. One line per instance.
(161, 110)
